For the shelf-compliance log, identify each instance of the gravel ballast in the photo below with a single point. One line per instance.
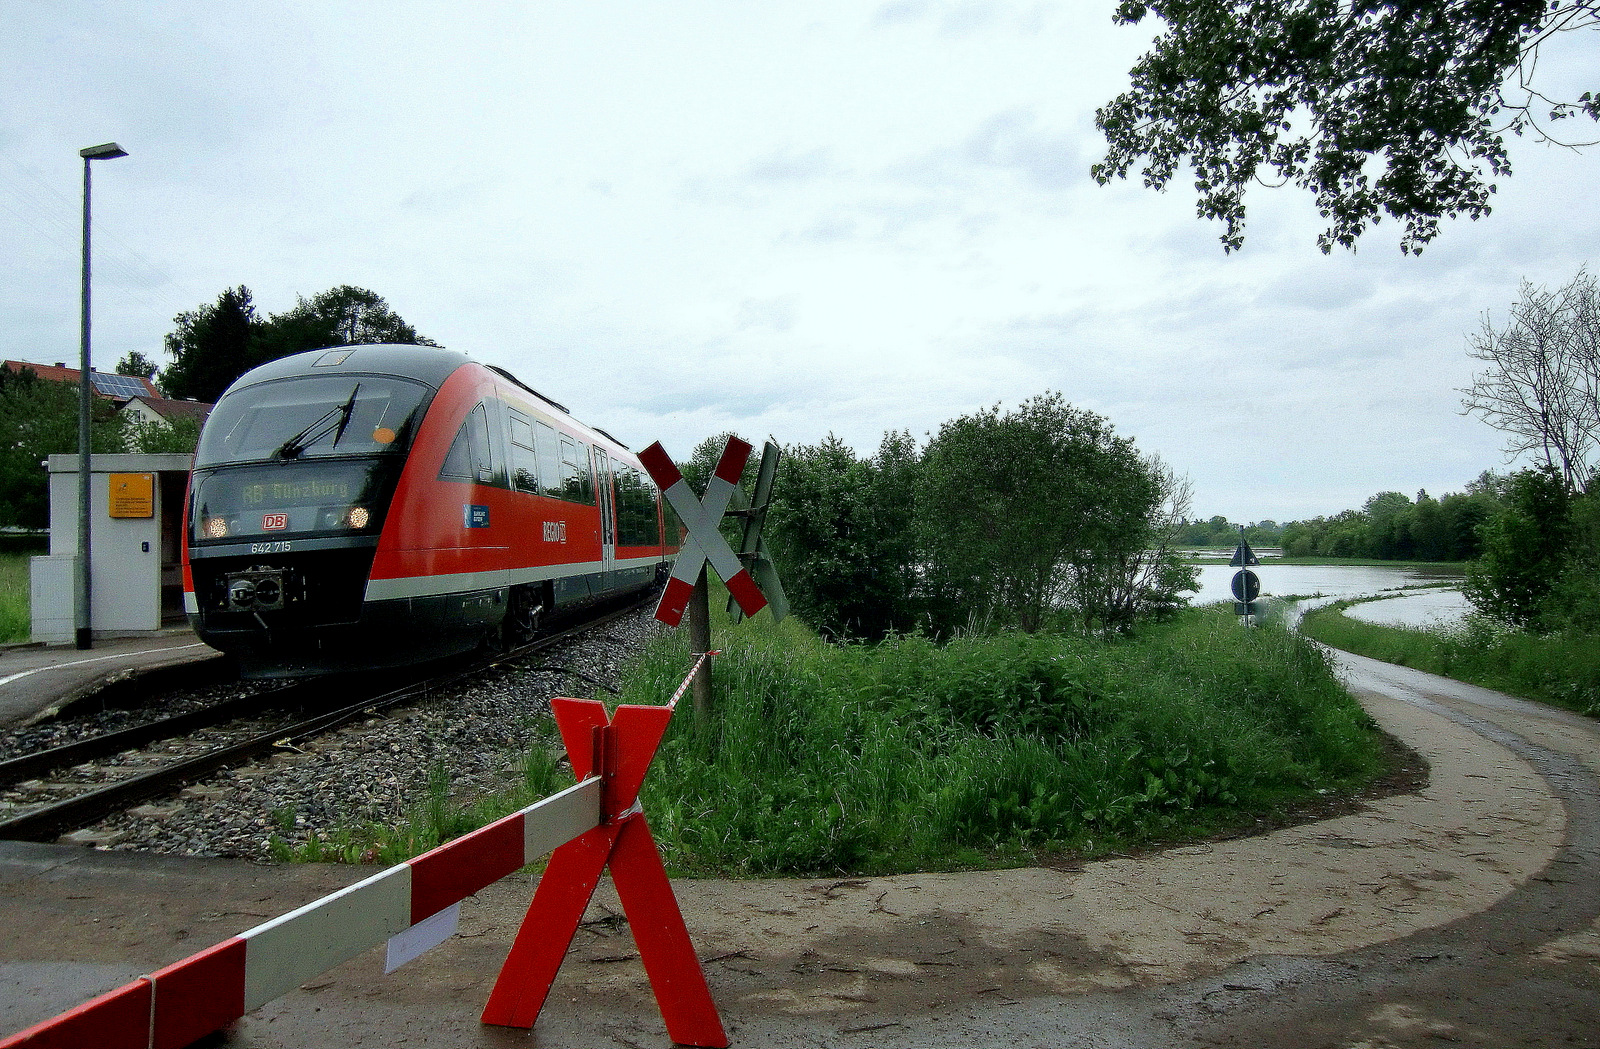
(474, 734)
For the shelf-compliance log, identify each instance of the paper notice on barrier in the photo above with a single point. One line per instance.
(428, 933)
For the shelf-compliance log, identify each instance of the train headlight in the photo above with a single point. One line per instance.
(358, 517)
(216, 527)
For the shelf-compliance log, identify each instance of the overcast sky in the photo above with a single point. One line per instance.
(779, 219)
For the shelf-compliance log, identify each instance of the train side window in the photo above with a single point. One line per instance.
(672, 530)
(577, 484)
(636, 509)
(524, 460)
(549, 448)
(469, 458)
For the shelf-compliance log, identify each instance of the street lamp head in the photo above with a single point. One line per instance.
(109, 151)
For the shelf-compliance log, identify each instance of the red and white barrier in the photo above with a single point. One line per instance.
(593, 824)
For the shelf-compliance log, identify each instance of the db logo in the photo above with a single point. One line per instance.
(274, 522)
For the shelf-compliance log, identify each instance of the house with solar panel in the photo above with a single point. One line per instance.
(118, 388)
(136, 514)
(134, 395)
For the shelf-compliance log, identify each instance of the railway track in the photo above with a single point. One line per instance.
(116, 770)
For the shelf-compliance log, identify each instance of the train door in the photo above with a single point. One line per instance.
(608, 517)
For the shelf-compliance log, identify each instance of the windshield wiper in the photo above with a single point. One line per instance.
(327, 424)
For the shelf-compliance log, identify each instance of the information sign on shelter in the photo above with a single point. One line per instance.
(133, 495)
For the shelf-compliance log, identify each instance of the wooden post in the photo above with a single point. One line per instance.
(699, 643)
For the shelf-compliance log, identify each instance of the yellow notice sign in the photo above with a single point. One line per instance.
(133, 495)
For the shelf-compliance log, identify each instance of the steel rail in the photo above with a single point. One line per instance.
(14, 770)
(48, 821)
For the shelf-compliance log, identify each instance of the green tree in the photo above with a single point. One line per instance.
(1526, 546)
(1575, 596)
(179, 435)
(1146, 579)
(213, 345)
(136, 363)
(843, 528)
(1388, 527)
(1376, 107)
(39, 418)
(1430, 535)
(341, 316)
(1022, 512)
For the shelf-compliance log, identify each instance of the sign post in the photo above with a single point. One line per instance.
(1246, 584)
(700, 641)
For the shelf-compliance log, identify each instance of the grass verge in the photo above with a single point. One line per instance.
(16, 616)
(1560, 669)
(1438, 567)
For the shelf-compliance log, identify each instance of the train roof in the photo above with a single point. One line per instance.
(429, 364)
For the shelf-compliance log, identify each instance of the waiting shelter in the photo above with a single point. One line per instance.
(135, 547)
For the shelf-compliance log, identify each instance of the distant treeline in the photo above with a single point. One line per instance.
(1389, 527)
(1221, 532)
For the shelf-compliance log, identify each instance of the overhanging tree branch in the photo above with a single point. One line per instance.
(1414, 85)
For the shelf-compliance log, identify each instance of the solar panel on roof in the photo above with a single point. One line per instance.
(118, 385)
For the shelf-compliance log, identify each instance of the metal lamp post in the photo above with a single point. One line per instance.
(81, 619)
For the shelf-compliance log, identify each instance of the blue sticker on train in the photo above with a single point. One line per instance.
(474, 516)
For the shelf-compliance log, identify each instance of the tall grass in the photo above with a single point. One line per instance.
(1562, 669)
(16, 616)
(823, 759)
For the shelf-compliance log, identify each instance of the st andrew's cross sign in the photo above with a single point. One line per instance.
(704, 543)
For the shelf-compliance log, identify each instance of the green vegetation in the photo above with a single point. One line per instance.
(1393, 527)
(216, 343)
(16, 617)
(39, 418)
(1540, 568)
(1223, 534)
(1559, 668)
(986, 752)
(989, 751)
(1040, 517)
(1434, 567)
(1377, 108)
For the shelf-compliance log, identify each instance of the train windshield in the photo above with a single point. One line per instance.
(310, 418)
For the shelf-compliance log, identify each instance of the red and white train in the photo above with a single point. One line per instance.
(374, 506)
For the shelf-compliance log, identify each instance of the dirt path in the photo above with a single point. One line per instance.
(1465, 914)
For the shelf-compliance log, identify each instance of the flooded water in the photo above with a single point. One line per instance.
(1430, 608)
(1345, 581)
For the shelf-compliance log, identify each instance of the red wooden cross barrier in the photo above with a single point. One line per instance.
(618, 751)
